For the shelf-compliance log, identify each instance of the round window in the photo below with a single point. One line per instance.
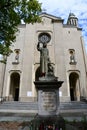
(44, 38)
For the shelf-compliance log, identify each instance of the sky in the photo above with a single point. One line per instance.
(62, 8)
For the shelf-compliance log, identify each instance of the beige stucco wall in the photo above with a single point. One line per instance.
(72, 40)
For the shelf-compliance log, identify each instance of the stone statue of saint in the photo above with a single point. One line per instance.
(17, 58)
(72, 58)
(44, 57)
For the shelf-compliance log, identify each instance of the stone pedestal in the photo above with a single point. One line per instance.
(48, 96)
(48, 117)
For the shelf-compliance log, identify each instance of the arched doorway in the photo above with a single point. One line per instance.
(74, 86)
(14, 86)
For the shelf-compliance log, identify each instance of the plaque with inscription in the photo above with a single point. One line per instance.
(48, 102)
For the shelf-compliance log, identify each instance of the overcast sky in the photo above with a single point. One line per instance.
(62, 8)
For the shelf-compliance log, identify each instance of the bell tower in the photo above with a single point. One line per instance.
(72, 20)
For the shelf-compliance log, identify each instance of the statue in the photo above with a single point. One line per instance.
(45, 63)
(50, 68)
(44, 57)
(17, 58)
(72, 58)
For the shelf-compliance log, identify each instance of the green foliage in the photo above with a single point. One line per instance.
(11, 14)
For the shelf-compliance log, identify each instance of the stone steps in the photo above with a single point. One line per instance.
(19, 105)
(73, 105)
(14, 105)
(20, 111)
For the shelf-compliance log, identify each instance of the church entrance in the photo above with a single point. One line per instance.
(16, 97)
(74, 86)
(14, 86)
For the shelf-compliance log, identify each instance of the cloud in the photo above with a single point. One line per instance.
(51, 5)
(62, 8)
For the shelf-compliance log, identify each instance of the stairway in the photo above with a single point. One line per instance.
(13, 110)
(14, 105)
(73, 105)
(18, 111)
(73, 110)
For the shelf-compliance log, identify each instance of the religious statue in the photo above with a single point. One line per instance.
(50, 68)
(45, 63)
(72, 58)
(17, 56)
(44, 57)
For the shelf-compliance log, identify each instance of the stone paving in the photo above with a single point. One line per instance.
(25, 126)
(13, 126)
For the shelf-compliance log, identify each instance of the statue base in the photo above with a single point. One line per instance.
(48, 123)
(48, 104)
(48, 95)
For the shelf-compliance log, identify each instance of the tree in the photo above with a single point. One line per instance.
(11, 14)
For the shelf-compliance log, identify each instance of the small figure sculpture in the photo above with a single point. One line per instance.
(17, 56)
(44, 58)
(50, 68)
(72, 58)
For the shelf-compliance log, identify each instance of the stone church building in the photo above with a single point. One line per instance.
(67, 56)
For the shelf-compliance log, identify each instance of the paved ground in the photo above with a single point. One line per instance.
(17, 125)
(14, 126)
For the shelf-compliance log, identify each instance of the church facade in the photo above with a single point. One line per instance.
(67, 56)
